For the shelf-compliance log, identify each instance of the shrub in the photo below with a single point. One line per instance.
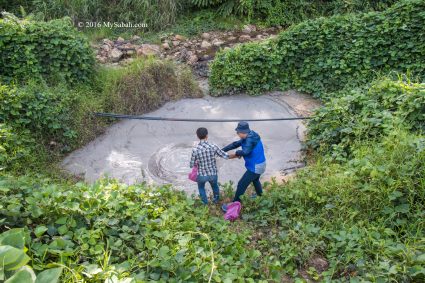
(367, 113)
(327, 54)
(15, 148)
(38, 109)
(146, 85)
(53, 50)
(363, 216)
(110, 230)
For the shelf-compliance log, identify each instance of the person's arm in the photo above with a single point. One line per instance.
(193, 159)
(221, 153)
(233, 145)
(250, 144)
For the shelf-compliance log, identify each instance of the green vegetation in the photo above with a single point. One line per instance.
(14, 258)
(362, 214)
(53, 50)
(184, 16)
(358, 206)
(368, 113)
(328, 54)
(46, 100)
(60, 118)
(287, 12)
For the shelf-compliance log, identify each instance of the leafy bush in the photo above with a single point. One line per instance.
(327, 54)
(14, 258)
(109, 230)
(364, 216)
(53, 50)
(42, 111)
(361, 114)
(15, 148)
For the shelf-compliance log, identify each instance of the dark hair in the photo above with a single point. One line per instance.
(202, 133)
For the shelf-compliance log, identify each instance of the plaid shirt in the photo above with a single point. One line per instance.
(204, 155)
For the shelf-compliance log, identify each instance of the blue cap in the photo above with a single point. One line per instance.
(243, 127)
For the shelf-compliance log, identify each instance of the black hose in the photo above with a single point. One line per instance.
(139, 117)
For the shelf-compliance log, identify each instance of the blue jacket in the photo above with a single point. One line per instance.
(252, 151)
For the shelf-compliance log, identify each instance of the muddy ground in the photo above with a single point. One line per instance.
(159, 151)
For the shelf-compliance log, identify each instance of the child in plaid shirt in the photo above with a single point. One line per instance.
(204, 155)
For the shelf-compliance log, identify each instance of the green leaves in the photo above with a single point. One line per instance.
(37, 50)
(12, 258)
(49, 276)
(319, 57)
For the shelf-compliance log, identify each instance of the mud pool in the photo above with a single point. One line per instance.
(158, 152)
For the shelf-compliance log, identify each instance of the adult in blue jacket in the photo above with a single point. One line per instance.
(255, 161)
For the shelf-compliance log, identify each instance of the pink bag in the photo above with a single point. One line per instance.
(194, 174)
(233, 211)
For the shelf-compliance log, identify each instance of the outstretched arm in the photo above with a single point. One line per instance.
(250, 144)
(221, 153)
(233, 145)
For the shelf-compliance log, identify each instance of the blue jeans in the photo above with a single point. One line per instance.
(248, 178)
(213, 180)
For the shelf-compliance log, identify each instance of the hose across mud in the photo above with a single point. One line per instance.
(140, 117)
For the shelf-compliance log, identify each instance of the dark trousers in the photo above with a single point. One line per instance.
(248, 178)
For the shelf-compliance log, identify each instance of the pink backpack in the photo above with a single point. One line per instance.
(194, 174)
(233, 211)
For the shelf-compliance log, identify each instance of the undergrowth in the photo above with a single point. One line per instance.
(326, 55)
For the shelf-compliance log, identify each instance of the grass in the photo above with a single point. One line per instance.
(188, 25)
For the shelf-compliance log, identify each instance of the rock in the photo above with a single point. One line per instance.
(136, 37)
(217, 42)
(115, 55)
(186, 44)
(148, 49)
(319, 263)
(130, 52)
(249, 28)
(192, 59)
(106, 47)
(108, 42)
(127, 46)
(205, 44)
(259, 36)
(206, 35)
(176, 43)
(231, 38)
(180, 37)
(244, 38)
(206, 57)
(165, 46)
(120, 39)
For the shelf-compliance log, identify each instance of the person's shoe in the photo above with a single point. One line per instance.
(224, 207)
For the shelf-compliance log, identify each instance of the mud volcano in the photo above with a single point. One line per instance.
(158, 152)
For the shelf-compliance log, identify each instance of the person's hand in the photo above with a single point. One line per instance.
(232, 155)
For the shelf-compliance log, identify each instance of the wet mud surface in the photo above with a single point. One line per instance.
(158, 152)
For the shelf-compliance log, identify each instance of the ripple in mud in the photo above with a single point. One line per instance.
(170, 163)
